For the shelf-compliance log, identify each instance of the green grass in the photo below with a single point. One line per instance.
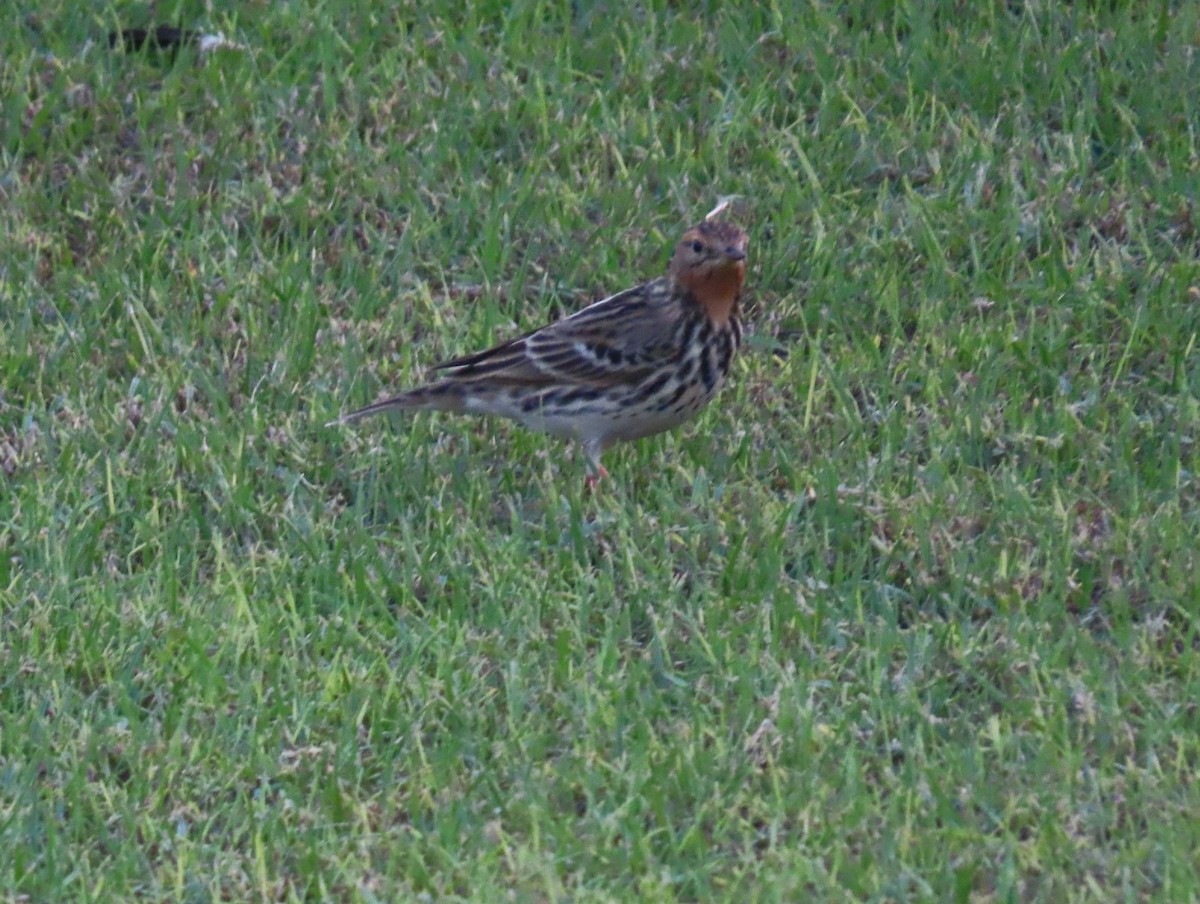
(911, 615)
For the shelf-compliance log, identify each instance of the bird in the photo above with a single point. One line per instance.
(168, 38)
(634, 364)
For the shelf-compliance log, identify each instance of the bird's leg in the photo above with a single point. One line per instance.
(592, 450)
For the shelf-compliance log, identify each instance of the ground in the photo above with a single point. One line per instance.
(909, 614)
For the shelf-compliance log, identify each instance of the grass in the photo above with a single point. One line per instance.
(910, 615)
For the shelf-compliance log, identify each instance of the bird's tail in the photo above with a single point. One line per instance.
(435, 397)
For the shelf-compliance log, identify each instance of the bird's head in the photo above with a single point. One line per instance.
(710, 261)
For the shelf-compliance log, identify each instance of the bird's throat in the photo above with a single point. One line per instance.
(716, 292)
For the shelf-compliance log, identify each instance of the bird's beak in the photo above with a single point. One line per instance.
(735, 254)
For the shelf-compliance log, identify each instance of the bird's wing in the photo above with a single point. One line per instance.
(621, 339)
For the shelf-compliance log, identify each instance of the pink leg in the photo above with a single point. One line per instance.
(592, 449)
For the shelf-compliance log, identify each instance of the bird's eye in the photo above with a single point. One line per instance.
(697, 247)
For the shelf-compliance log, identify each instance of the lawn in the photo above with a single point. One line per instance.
(912, 613)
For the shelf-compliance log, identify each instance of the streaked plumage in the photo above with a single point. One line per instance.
(637, 363)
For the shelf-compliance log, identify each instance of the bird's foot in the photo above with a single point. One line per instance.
(594, 477)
